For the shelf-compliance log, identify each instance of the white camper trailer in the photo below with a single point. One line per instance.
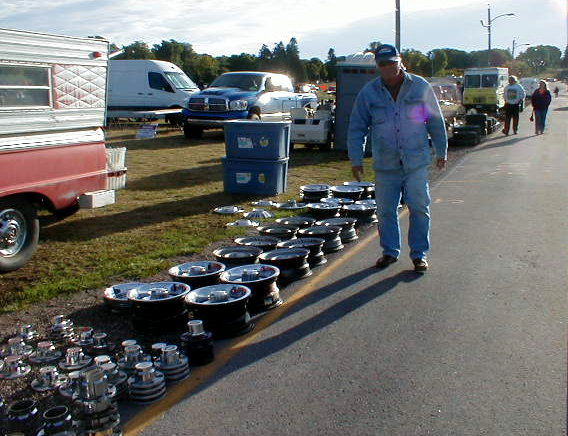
(138, 88)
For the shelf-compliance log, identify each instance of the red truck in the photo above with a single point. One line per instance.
(52, 146)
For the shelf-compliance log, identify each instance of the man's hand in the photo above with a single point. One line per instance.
(441, 164)
(357, 173)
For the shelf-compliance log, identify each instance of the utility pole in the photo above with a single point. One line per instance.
(488, 27)
(397, 24)
(515, 45)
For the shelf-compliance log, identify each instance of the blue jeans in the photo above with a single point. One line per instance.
(540, 119)
(389, 186)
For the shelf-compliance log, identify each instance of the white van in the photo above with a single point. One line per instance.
(145, 85)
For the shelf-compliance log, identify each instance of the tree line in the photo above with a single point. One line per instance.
(203, 68)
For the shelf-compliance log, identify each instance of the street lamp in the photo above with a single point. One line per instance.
(488, 26)
(515, 45)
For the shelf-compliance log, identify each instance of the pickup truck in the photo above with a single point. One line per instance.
(242, 95)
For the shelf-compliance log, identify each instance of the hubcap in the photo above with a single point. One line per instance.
(13, 231)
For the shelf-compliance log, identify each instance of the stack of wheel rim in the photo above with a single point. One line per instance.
(261, 280)
(312, 193)
(347, 191)
(297, 220)
(292, 263)
(159, 306)
(222, 308)
(324, 210)
(368, 188)
(265, 243)
(330, 234)
(197, 274)
(116, 299)
(237, 255)
(338, 200)
(347, 224)
(364, 213)
(316, 256)
(281, 231)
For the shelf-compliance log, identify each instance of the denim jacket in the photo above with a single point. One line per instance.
(399, 130)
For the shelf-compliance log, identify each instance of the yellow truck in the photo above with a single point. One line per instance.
(484, 89)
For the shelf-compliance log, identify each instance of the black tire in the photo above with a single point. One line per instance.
(19, 233)
(192, 132)
(326, 146)
(253, 116)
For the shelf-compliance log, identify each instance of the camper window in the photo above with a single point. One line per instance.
(24, 86)
(157, 81)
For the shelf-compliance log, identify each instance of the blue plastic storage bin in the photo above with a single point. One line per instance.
(248, 139)
(255, 176)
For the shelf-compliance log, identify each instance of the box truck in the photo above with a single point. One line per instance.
(138, 88)
(484, 89)
(52, 145)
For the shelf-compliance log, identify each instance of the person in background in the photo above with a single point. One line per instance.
(556, 91)
(540, 101)
(398, 111)
(514, 95)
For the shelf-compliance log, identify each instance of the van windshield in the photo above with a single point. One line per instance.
(472, 81)
(180, 81)
(246, 82)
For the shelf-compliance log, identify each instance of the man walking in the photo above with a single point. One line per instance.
(514, 95)
(397, 111)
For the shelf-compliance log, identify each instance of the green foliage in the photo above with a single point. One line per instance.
(203, 68)
(541, 58)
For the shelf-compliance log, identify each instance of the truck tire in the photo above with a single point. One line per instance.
(192, 132)
(253, 116)
(19, 233)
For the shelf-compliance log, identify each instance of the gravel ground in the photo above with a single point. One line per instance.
(87, 309)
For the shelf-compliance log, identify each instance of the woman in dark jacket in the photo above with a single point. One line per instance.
(540, 101)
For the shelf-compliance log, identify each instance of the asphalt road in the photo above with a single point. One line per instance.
(477, 346)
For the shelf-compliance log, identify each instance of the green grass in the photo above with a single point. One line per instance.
(163, 215)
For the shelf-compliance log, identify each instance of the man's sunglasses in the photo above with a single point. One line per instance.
(386, 63)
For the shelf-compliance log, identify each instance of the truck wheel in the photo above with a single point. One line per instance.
(253, 116)
(19, 233)
(192, 132)
(327, 145)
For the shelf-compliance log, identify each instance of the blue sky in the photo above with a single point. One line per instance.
(226, 27)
